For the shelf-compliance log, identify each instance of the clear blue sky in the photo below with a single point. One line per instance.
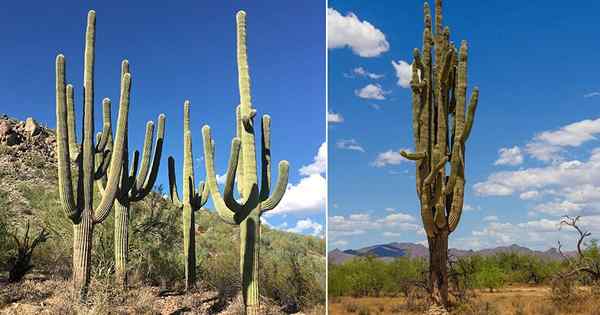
(179, 50)
(536, 65)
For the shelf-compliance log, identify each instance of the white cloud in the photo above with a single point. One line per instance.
(490, 218)
(371, 91)
(388, 157)
(221, 179)
(307, 226)
(528, 195)
(360, 223)
(334, 118)
(469, 207)
(509, 156)
(362, 72)
(403, 73)
(309, 194)
(319, 165)
(375, 106)
(547, 145)
(349, 144)
(592, 94)
(362, 37)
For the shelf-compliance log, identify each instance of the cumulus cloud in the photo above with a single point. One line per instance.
(362, 37)
(307, 226)
(221, 179)
(334, 118)
(371, 91)
(528, 195)
(547, 145)
(509, 156)
(403, 73)
(362, 72)
(349, 144)
(309, 194)
(389, 157)
(356, 224)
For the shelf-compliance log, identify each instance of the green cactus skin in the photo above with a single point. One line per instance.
(79, 206)
(253, 202)
(134, 184)
(439, 88)
(193, 199)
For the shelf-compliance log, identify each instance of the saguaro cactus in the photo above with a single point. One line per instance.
(192, 201)
(79, 207)
(134, 185)
(253, 202)
(440, 130)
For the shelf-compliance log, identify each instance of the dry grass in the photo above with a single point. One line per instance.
(54, 297)
(521, 300)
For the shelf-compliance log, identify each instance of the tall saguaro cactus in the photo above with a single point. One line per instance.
(192, 200)
(253, 202)
(134, 184)
(79, 206)
(440, 129)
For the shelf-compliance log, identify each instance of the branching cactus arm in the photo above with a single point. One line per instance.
(270, 202)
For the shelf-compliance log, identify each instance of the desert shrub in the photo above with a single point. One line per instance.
(351, 307)
(490, 277)
(475, 307)
(364, 310)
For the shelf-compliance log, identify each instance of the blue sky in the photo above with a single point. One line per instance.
(533, 154)
(184, 50)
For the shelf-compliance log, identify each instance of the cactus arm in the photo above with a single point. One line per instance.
(280, 188)
(471, 114)
(106, 126)
(146, 152)
(434, 171)
(114, 173)
(200, 197)
(73, 146)
(266, 158)
(145, 186)
(416, 156)
(457, 204)
(174, 195)
(239, 130)
(102, 165)
(230, 216)
(65, 185)
(130, 177)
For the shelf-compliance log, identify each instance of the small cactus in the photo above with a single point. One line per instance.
(242, 167)
(193, 199)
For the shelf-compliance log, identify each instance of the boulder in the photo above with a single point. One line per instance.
(5, 128)
(32, 127)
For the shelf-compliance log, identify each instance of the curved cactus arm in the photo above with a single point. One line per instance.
(457, 204)
(200, 196)
(239, 213)
(471, 114)
(102, 165)
(280, 188)
(145, 184)
(129, 184)
(106, 133)
(173, 193)
(413, 156)
(434, 171)
(114, 172)
(65, 184)
(146, 152)
(73, 145)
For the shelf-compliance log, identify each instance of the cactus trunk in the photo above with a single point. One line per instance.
(438, 276)
(249, 261)
(82, 254)
(121, 240)
(189, 247)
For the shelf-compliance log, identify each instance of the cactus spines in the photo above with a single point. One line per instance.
(193, 199)
(440, 131)
(242, 166)
(79, 207)
(136, 180)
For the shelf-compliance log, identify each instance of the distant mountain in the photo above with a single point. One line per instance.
(395, 250)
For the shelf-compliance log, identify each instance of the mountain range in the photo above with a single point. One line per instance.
(394, 250)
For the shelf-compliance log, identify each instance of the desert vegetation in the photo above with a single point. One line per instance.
(134, 259)
(503, 283)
